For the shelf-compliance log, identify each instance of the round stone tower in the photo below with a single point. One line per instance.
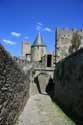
(38, 49)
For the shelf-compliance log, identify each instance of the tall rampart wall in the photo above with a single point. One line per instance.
(68, 85)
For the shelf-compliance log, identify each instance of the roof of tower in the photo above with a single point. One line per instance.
(39, 40)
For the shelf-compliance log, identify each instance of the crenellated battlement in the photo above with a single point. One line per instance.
(63, 41)
(67, 30)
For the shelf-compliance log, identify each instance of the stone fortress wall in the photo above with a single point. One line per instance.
(14, 88)
(63, 42)
(67, 88)
(68, 85)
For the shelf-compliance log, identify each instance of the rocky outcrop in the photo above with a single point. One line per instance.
(68, 85)
(14, 88)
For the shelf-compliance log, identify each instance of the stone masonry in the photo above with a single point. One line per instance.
(14, 88)
(68, 85)
(63, 42)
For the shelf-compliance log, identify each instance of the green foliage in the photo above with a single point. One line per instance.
(76, 41)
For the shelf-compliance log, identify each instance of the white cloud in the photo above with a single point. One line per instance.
(39, 23)
(9, 42)
(26, 37)
(47, 29)
(39, 26)
(15, 34)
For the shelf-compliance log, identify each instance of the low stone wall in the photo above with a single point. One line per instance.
(68, 85)
(14, 88)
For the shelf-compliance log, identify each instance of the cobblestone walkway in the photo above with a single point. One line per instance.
(40, 110)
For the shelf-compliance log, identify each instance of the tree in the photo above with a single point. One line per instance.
(76, 41)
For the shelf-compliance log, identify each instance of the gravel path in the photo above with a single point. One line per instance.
(40, 110)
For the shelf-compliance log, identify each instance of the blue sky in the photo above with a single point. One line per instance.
(21, 19)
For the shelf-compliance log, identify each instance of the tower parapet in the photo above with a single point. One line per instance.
(66, 30)
(26, 51)
(63, 41)
(74, 30)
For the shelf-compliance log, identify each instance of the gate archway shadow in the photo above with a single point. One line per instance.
(50, 87)
(36, 81)
(42, 81)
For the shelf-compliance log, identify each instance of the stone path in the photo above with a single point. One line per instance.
(40, 110)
